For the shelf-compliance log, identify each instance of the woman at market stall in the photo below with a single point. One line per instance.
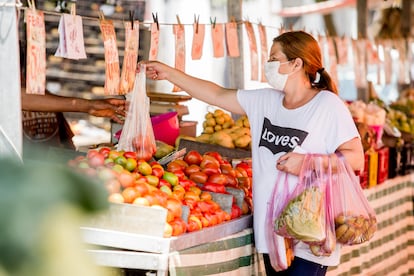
(302, 109)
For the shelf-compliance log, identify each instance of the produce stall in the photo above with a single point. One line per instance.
(218, 250)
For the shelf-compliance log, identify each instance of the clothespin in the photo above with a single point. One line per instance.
(101, 15)
(196, 20)
(178, 20)
(213, 22)
(73, 11)
(155, 17)
(31, 4)
(131, 18)
(232, 19)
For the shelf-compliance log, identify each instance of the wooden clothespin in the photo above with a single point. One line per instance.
(31, 4)
(178, 20)
(155, 18)
(73, 9)
(196, 20)
(213, 22)
(232, 19)
(131, 18)
(101, 15)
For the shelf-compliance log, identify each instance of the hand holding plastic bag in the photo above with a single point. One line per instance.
(137, 134)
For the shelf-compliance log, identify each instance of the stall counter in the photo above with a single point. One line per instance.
(389, 252)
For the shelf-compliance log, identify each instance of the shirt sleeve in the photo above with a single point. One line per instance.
(342, 126)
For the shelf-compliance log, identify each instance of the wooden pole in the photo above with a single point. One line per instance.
(362, 18)
(236, 66)
(406, 32)
(406, 18)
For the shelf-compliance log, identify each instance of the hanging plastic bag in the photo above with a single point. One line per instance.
(280, 248)
(355, 220)
(327, 246)
(137, 134)
(303, 217)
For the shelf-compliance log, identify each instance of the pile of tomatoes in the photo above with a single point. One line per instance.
(188, 181)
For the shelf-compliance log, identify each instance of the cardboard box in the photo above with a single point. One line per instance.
(188, 128)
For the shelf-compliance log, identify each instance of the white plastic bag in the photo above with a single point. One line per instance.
(137, 134)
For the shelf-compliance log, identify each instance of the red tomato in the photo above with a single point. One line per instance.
(208, 159)
(205, 206)
(130, 154)
(191, 169)
(180, 174)
(215, 188)
(130, 194)
(157, 171)
(210, 169)
(199, 177)
(142, 188)
(186, 183)
(217, 178)
(231, 181)
(175, 206)
(164, 182)
(246, 166)
(216, 155)
(227, 169)
(105, 151)
(193, 157)
(193, 225)
(96, 159)
(235, 211)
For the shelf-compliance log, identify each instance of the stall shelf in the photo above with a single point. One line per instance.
(131, 237)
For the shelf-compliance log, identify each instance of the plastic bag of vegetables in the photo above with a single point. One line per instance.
(303, 217)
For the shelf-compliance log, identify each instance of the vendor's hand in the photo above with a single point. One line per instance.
(290, 162)
(155, 70)
(109, 108)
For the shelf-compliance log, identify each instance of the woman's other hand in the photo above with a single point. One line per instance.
(290, 162)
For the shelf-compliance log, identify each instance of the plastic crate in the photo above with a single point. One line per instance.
(383, 163)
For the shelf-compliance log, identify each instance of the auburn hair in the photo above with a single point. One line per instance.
(300, 44)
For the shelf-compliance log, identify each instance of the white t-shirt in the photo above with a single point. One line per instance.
(319, 126)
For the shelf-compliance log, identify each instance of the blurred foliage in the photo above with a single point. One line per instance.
(29, 193)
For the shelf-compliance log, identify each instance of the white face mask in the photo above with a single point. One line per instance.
(274, 78)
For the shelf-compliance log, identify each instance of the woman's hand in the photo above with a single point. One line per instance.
(290, 162)
(155, 70)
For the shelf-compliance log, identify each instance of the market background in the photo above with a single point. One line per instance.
(85, 78)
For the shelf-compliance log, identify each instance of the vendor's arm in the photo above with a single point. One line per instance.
(352, 151)
(203, 90)
(109, 108)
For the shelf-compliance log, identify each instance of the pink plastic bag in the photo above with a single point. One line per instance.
(327, 246)
(355, 220)
(303, 214)
(280, 248)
